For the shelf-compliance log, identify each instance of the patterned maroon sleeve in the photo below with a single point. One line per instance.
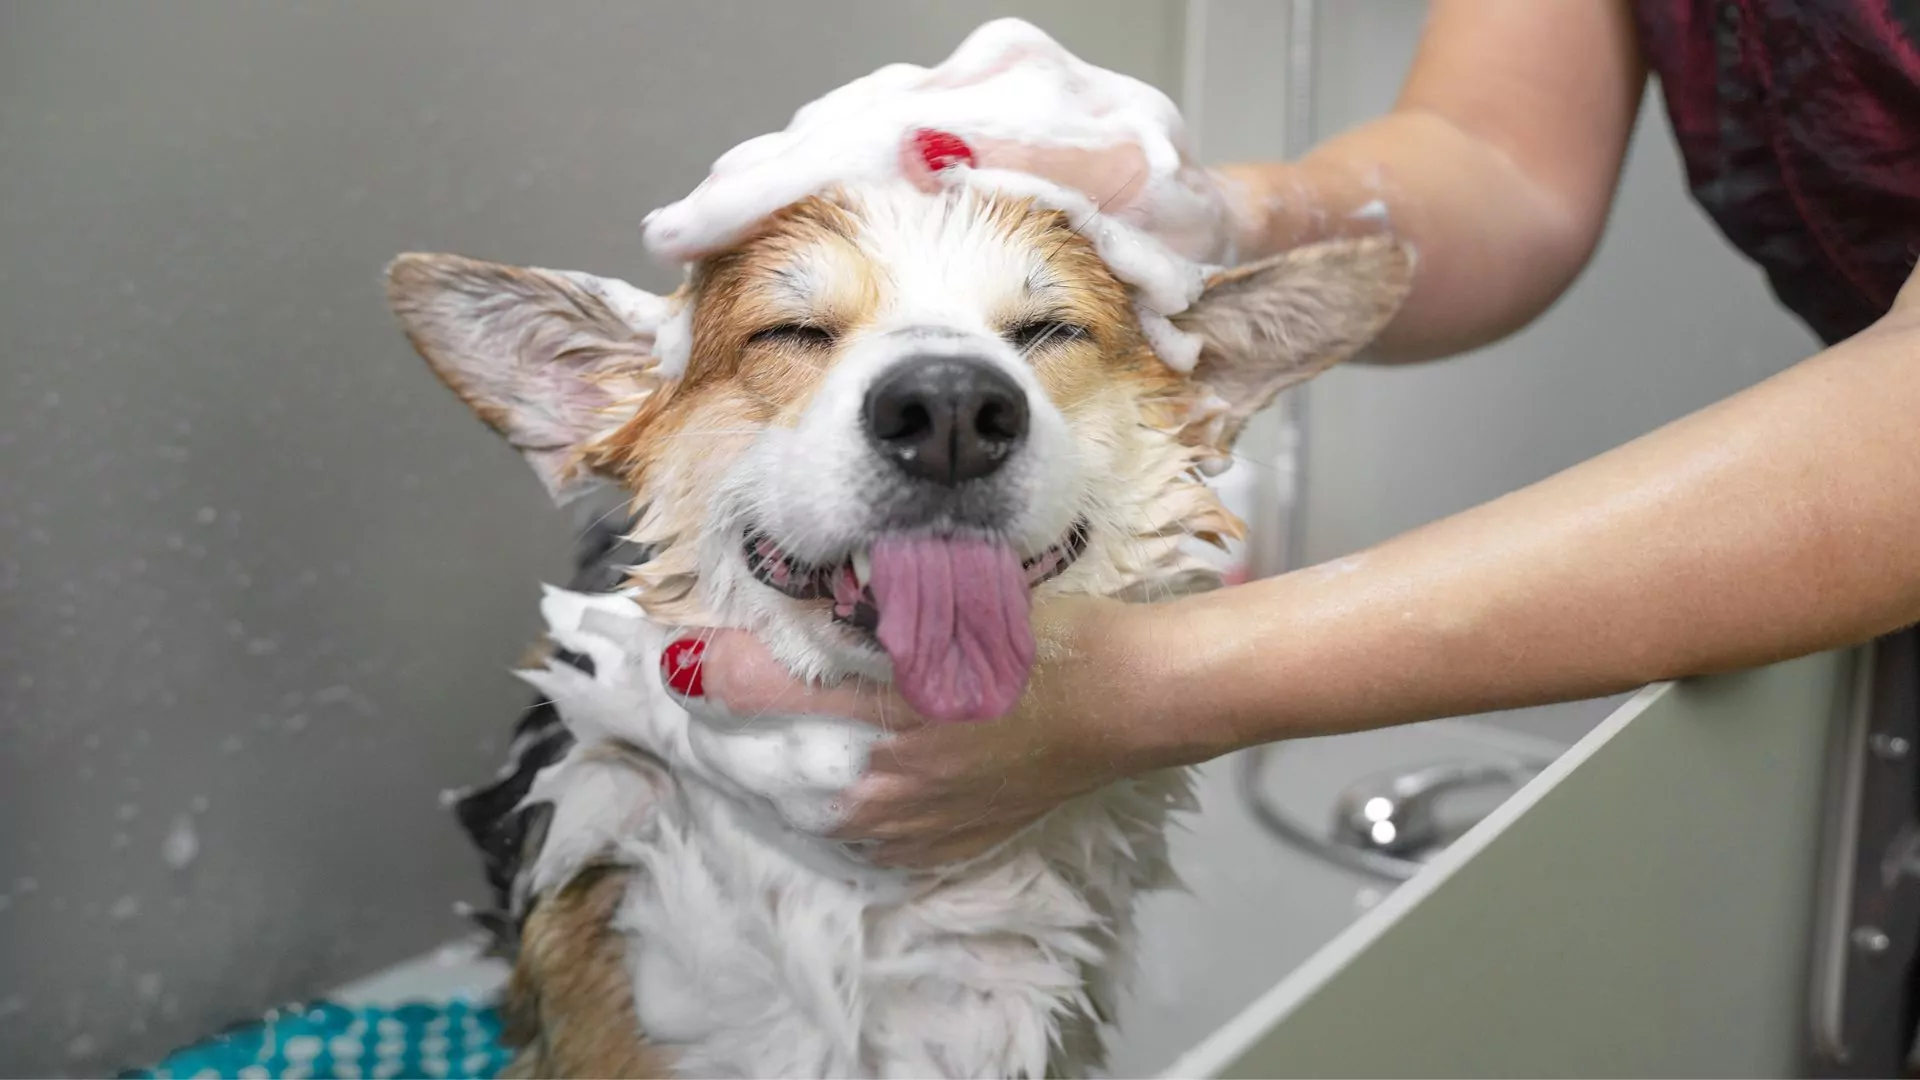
(1799, 122)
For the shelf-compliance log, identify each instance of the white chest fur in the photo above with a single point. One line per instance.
(758, 950)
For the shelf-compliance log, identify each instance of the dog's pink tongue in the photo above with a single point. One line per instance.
(955, 616)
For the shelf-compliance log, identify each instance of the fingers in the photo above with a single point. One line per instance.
(725, 204)
(918, 841)
(732, 669)
(733, 196)
(894, 823)
(1112, 176)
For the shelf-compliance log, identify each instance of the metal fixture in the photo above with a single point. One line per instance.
(1297, 138)
(1387, 824)
(1867, 933)
(1397, 813)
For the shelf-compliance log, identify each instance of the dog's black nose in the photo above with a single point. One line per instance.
(946, 419)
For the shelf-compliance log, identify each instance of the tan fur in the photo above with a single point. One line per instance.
(537, 655)
(569, 1003)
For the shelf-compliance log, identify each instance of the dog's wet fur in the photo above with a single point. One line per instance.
(768, 435)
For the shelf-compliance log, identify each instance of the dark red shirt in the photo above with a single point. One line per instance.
(1799, 121)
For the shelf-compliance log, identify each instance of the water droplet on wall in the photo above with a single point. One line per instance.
(182, 844)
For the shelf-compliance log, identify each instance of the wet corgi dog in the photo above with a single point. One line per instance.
(900, 417)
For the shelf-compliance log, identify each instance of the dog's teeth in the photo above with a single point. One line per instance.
(862, 568)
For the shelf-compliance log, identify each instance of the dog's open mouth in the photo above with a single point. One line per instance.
(953, 613)
(850, 583)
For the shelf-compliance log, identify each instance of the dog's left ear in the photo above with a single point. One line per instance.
(1268, 325)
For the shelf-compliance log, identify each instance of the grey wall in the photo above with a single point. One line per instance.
(1667, 319)
(261, 579)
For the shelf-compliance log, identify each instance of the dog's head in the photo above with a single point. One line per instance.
(899, 414)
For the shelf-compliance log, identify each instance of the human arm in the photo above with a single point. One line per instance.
(1498, 162)
(1781, 521)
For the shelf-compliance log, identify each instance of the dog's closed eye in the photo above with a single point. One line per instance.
(1043, 333)
(795, 335)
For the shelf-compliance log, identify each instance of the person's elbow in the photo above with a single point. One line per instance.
(1512, 252)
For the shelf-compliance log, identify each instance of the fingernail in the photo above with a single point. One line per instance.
(680, 666)
(941, 149)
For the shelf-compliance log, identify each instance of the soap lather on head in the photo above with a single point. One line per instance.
(1012, 110)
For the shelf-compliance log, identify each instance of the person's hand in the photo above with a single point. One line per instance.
(938, 793)
(1009, 99)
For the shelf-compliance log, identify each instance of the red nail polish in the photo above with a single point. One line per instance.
(941, 149)
(680, 666)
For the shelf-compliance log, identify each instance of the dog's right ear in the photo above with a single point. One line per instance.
(548, 358)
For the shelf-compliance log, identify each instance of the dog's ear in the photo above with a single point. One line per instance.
(1268, 325)
(548, 358)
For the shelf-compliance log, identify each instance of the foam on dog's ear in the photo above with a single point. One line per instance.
(1271, 324)
(548, 358)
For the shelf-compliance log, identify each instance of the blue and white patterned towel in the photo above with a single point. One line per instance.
(328, 1041)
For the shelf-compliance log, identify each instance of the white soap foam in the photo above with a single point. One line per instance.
(673, 342)
(657, 317)
(1176, 348)
(1007, 81)
(1164, 281)
(794, 765)
(1371, 210)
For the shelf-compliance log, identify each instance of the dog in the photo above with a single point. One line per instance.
(883, 390)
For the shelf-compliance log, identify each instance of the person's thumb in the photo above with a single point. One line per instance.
(732, 670)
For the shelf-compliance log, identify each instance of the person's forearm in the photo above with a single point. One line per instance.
(1498, 163)
(1783, 521)
(1495, 248)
